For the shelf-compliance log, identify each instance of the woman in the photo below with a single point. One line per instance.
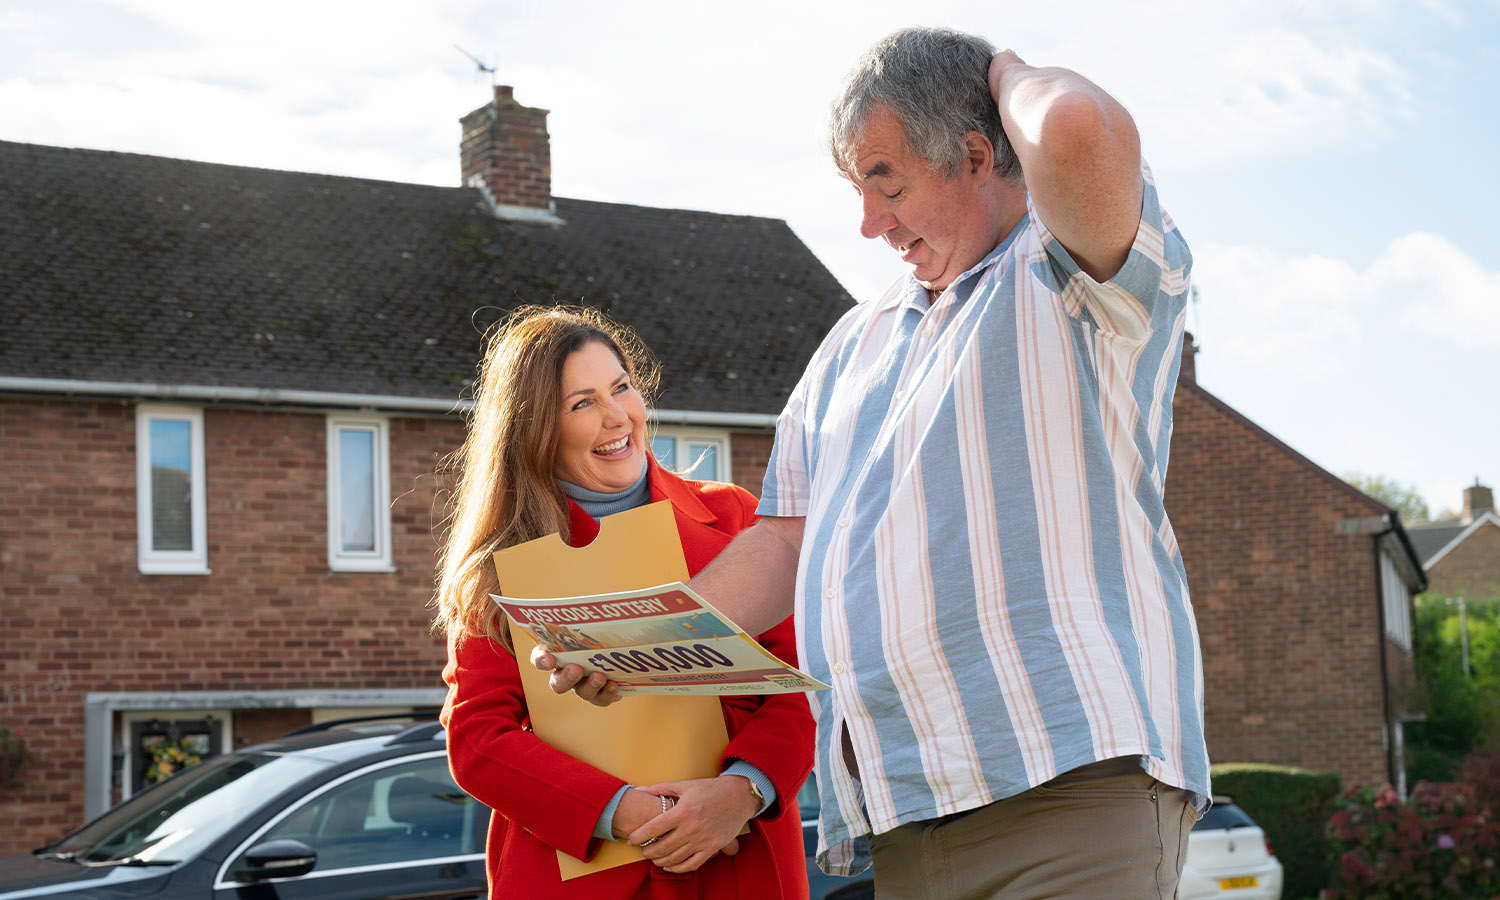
(556, 441)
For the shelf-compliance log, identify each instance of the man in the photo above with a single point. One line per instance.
(965, 498)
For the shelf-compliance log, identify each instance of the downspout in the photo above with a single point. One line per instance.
(1391, 771)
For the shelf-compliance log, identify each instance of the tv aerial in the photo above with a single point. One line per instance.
(481, 66)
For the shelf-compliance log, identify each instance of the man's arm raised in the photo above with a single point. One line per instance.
(1081, 155)
(753, 582)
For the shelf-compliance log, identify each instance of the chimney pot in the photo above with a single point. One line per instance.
(1478, 500)
(1188, 371)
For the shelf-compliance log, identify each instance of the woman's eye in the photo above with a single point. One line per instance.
(579, 405)
(622, 387)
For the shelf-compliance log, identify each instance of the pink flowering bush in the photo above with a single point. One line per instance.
(1442, 844)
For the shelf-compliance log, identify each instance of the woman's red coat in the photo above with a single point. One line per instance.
(545, 800)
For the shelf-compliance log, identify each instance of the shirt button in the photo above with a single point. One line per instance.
(843, 523)
(838, 668)
(901, 395)
(828, 593)
(927, 332)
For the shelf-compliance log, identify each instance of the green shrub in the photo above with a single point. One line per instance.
(1292, 806)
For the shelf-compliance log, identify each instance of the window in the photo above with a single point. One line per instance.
(171, 524)
(359, 508)
(695, 453)
(409, 810)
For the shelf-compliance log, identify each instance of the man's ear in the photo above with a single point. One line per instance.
(979, 156)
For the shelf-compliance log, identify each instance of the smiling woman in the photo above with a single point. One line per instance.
(558, 441)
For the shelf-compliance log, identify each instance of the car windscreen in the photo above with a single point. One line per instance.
(1223, 815)
(176, 819)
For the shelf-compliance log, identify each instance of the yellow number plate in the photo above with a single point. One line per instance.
(1227, 884)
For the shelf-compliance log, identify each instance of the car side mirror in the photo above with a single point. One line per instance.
(275, 859)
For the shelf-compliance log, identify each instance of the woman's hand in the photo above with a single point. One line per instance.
(709, 814)
(636, 809)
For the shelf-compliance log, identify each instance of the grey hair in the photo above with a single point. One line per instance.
(936, 82)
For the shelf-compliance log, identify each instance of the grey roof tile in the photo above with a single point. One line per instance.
(122, 267)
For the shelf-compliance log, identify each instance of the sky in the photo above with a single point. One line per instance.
(1332, 163)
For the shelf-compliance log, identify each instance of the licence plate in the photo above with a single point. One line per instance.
(1228, 884)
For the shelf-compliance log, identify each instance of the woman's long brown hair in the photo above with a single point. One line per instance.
(504, 489)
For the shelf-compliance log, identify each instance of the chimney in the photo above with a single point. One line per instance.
(1478, 500)
(506, 154)
(1188, 371)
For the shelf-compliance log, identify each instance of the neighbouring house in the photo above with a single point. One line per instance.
(224, 396)
(1303, 590)
(1462, 554)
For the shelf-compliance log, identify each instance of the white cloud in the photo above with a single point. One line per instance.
(1290, 314)
(1244, 84)
(1445, 293)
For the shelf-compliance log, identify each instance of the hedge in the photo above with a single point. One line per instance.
(1292, 806)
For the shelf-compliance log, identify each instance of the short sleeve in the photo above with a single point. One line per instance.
(1150, 289)
(784, 491)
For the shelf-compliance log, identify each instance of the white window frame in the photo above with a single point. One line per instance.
(170, 562)
(719, 438)
(379, 559)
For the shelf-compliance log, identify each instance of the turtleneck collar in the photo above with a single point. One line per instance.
(599, 504)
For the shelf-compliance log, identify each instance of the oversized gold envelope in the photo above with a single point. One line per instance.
(642, 739)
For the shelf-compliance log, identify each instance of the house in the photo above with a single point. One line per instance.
(225, 394)
(1462, 554)
(1302, 587)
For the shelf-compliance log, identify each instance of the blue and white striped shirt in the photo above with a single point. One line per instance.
(988, 579)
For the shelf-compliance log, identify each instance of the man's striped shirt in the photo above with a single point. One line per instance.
(988, 579)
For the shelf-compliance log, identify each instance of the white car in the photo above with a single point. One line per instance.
(1229, 857)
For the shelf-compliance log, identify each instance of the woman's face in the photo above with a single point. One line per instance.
(602, 424)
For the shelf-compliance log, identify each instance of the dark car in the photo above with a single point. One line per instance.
(366, 810)
(348, 810)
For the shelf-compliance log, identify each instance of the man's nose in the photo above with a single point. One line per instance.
(876, 214)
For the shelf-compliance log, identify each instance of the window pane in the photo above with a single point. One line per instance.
(357, 490)
(665, 451)
(399, 813)
(171, 485)
(705, 459)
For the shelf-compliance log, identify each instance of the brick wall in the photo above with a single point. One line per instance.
(749, 451)
(79, 617)
(1286, 606)
(1472, 569)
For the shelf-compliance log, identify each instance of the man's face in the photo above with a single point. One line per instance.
(937, 224)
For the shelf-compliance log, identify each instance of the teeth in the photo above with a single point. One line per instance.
(612, 446)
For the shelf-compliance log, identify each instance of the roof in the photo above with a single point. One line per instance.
(1385, 524)
(128, 268)
(1434, 540)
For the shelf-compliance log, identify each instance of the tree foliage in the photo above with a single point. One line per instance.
(1404, 499)
(1463, 710)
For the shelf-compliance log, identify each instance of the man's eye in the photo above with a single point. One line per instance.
(893, 195)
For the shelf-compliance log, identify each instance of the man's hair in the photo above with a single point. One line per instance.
(936, 82)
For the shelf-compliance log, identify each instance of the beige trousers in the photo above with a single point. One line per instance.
(1105, 831)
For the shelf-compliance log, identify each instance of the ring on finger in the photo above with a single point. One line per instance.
(651, 840)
